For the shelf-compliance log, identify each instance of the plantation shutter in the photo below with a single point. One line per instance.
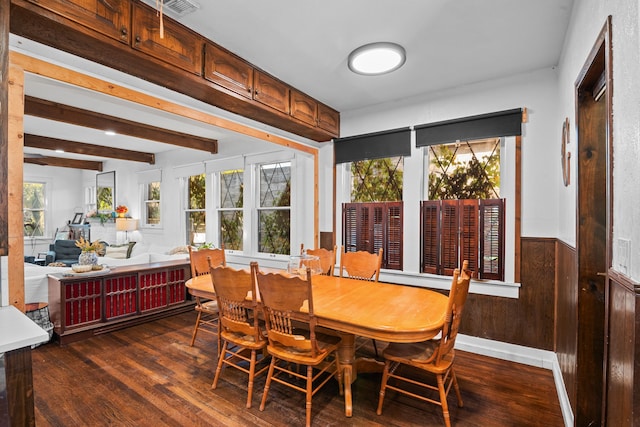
(450, 239)
(469, 233)
(371, 226)
(492, 214)
(430, 231)
(393, 250)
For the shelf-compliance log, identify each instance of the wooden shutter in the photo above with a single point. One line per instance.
(468, 213)
(393, 250)
(450, 239)
(371, 226)
(430, 232)
(492, 217)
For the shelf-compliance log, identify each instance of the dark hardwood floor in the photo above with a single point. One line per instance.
(147, 375)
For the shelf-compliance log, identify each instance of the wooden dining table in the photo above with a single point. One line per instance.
(351, 307)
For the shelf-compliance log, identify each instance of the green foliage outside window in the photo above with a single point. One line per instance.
(196, 215)
(231, 202)
(466, 170)
(33, 200)
(377, 180)
(274, 225)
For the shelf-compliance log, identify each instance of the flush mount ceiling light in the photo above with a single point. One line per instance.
(377, 58)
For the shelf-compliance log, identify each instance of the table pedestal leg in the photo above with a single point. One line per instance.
(347, 352)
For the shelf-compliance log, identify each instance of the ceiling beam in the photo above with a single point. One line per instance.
(77, 116)
(47, 143)
(64, 163)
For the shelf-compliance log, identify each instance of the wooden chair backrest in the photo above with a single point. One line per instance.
(455, 307)
(327, 259)
(199, 260)
(235, 311)
(361, 265)
(283, 300)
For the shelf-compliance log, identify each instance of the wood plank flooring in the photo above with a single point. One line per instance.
(147, 375)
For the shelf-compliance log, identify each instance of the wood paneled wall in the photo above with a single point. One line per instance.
(567, 317)
(4, 119)
(623, 370)
(528, 320)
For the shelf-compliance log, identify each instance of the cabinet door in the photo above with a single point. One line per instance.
(328, 119)
(179, 46)
(227, 70)
(108, 17)
(304, 108)
(271, 92)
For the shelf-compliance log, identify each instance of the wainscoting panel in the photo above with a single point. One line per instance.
(567, 317)
(528, 320)
(623, 386)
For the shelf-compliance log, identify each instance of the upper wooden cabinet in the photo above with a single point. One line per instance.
(179, 46)
(270, 91)
(232, 72)
(227, 70)
(111, 18)
(304, 108)
(328, 119)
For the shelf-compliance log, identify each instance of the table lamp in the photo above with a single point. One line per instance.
(126, 225)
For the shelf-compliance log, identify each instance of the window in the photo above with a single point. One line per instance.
(464, 217)
(195, 213)
(374, 218)
(151, 211)
(230, 211)
(274, 208)
(34, 209)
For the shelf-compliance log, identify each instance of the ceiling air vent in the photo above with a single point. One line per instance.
(176, 8)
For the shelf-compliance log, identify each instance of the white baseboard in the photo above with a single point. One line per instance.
(525, 355)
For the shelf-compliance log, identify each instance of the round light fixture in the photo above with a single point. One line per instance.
(377, 58)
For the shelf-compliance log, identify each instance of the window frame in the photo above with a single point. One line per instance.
(187, 210)
(257, 208)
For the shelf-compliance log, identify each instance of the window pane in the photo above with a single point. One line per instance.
(196, 196)
(377, 180)
(274, 231)
(231, 229)
(33, 199)
(153, 212)
(153, 191)
(465, 170)
(275, 185)
(231, 189)
(196, 228)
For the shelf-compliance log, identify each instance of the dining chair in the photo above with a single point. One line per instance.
(434, 357)
(287, 303)
(361, 265)
(207, 319)
(240, 329)
(327, 258)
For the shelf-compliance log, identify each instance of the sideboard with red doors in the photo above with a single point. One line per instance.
(86, 304)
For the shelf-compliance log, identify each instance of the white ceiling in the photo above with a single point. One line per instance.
(306, 43)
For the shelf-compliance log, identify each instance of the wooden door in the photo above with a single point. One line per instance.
(593, 234)
(177, 45)
(111, 18)
(227, 70)
(270, 91)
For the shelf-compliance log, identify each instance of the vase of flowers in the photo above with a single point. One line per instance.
(88, 256)
(121, 210)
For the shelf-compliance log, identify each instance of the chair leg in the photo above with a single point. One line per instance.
(267, 383)
(443, 400)
(218, 367)
(252, 372)
(195, 329)
(455, 386)
(383, 385)
(309, 393)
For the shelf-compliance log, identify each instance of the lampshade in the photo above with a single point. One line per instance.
(126, 224)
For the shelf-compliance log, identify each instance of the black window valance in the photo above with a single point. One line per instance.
(502, 123)
(377, 145)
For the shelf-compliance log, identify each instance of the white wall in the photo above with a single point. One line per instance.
(588, 18)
